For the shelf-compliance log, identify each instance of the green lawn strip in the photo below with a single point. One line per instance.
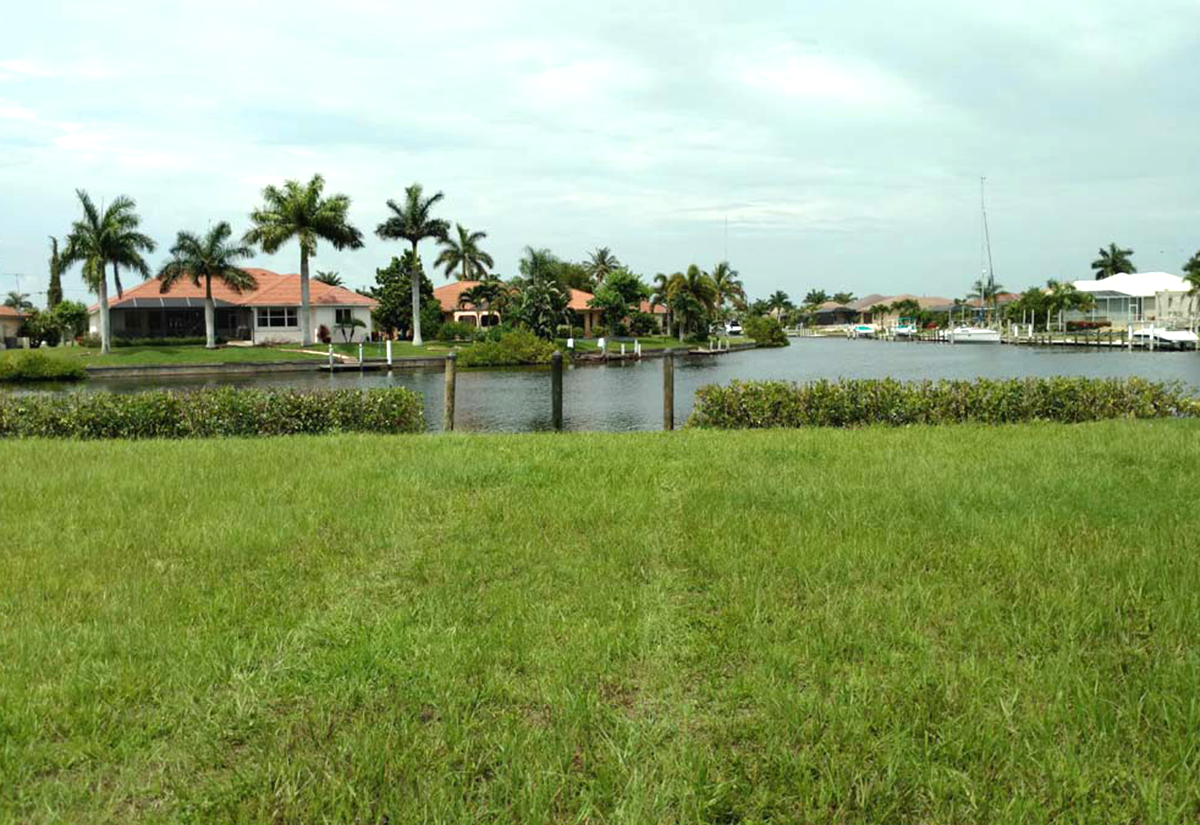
(167, 355)
(605, 626)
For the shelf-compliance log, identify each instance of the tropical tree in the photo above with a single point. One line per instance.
(203, 259)
(54, 292)
(100, 238)
(1062, 296)
(843, 297)
(779, 302)
(301, 211)
(413, 221)
(464, 255)
(1113, 261)
(18, 301)
(329, 278)
(906, 307)
(815, 297)
(393, 294)
(1192, 267)
(600, 264)
(693, 296)
(486, 296)
(730, 289)
(659, 294)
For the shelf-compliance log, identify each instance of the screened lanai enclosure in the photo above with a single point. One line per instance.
(178, 318)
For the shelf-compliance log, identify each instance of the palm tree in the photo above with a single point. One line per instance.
(18, 301)
(660, 294)
(1062, 296)
(779, 302)
(206, 258)
(329, 278)
(815, 297)
(464, 255)
(413, 221)
(601, 263)
(693, 295)
(300, 211)
(54, 292)
(729, 287)
(842, 297)
(484, 296)
(101, 238)
(1191, 276)
(1113, 261)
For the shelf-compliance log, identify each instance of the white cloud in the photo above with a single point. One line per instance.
(793, 72)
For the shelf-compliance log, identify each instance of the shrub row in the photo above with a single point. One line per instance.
(93, 341)
(210, 413)
(37, 366)
(514, 347)
(854, 403)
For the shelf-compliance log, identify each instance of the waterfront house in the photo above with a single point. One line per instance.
(268, 314)
(454, 308)
(10, 325)
(1135, 296)
(831, 313)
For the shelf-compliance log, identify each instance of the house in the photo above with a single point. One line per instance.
(586, 317)
(1134, 296)
(10, 325)
(833, 314)
(268, 314)
(926, 303)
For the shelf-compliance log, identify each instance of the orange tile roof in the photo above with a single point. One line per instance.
(447, 294)
(273, 290)
(9, 312)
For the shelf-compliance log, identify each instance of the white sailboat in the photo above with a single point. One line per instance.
(977, 334)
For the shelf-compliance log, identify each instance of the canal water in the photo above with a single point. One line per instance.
(628, 396)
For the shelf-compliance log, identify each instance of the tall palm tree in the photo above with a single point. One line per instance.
(413, 221)
(18, 301)
(779, 302)
(1113, 261)
(843, 298)
(815, 297)
(329, 278)
(300, 211)
(730, 289)
(54, 292)
(464, 255)
(693, 295)
(600, 264)
(101, 238)
(1191, 276)
(212, 256)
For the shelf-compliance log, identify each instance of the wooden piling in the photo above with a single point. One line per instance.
(448, 404)
(556, 390)
(669, 391)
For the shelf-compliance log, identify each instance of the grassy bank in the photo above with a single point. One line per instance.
(957, 624)
(167, 355)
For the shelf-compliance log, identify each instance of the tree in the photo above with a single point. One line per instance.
(393, 292)
(693, 296)
(730, 289)
(539, 299)
(348, 326)
(1063, 296)
(203, 259)
(1113, 261)
(329, 278)
(843, 297)
(600, 264)
(464, 255)
(486, 296)
(1192, 278)
(70, 318)
(659, 294)
(906, 307)
(779, 302)
(1192, 267)
(100, 238)
(413, 221)
(18, 301)
(301, 211)
(54, 292)
(815, 297)
(618, 295)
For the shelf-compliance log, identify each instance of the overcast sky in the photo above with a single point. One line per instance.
(844, 142)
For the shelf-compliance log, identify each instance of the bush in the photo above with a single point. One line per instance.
(37, 366)
(577, 332)
(514, 348)
(760, 404)
(766, 331)
(642, 323)
(457, 331)
(1084, 326)
(93, 341)
(323, 335)
(210, 413)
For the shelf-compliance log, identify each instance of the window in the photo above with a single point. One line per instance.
(277, 317)
(343, 317)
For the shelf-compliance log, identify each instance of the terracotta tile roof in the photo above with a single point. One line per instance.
(273, 290)
(657, 309)
(9, 312)
(447, 295)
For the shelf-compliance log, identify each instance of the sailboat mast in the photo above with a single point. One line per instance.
(987, 243)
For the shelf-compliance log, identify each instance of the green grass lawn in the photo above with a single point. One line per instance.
(926, 624)
(146, 356)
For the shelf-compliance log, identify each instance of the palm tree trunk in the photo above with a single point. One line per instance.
(102, 291)
(416, 296)
(306, 338)
(210, 316)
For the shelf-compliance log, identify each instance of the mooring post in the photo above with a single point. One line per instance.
(331, 357)
(448, 404)
(556, 370)
(669, 391)
(389, 353)
(360, 357)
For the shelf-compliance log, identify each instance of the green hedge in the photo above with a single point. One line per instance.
(37, 366)
(210, 413)
(93, 341)
(854, 403)
(514, 348)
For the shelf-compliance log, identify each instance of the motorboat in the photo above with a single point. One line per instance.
(863, 331)
(904, 329)
(1164, 338)
(974, 335)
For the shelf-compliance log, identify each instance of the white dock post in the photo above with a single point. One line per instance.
(622, 349)
(389, 353)
(331, 357)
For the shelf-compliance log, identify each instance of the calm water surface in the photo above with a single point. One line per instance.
(629, 396)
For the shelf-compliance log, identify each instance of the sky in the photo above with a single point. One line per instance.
(842, 144)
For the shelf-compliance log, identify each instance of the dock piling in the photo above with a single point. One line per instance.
(669, 391)
(389, 353)
(556, 390)
(448, 405)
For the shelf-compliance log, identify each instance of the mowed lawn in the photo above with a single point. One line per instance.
(167, 355)
(931, 624)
